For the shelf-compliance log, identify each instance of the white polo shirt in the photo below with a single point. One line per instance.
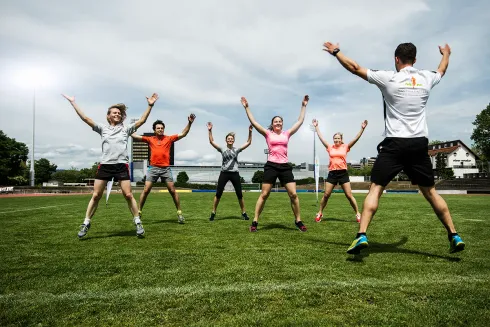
(405, 95)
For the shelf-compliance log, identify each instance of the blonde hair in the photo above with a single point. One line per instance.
(122, 109)
(341, 136)
(230, 134)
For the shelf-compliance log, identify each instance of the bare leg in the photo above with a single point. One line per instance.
(215, 203)
(266, 191)
(99, 186)
(348, 194)
(174, 194)
(291, 188)
(126, 190)
(242, 204)
(439, 206)
(145, 193)
(326, 195)
(370, 206)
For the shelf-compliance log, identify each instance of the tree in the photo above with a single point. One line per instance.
(436, 142)
(43, 170)
(242, 180)
(13, 156)
(182, 177)
(481, 133)
(89, 172)
(442, 171)
(258, 176)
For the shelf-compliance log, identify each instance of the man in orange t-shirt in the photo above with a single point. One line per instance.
(160, 145)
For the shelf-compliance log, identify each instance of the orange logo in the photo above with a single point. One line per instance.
(414, 81)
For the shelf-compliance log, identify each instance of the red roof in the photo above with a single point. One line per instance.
(443, 150)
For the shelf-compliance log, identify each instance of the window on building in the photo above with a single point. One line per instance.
(467, 154)
(455, 154)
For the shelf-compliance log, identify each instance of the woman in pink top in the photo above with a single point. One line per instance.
(338, 169)
(277, 162)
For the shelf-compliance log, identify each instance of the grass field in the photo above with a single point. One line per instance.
(219, 274)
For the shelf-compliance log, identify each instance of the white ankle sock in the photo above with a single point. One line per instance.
(86, 221)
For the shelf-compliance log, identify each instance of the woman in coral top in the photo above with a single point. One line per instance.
(277, 162)
(338, 169)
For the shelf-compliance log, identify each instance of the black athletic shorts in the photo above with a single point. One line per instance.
(338, 177)
(273, 171)
(119, 171)
(408, 154)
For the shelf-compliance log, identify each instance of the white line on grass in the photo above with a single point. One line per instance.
(197, 290)
(30, 209)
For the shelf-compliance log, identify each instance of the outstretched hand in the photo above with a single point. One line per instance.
(329, 47)
(364, 124)
(151, 100)
(209, 125)
(314, 122)
(445, 50)
(69, 98)
(191, 118)
(305, 100)
(244, 102)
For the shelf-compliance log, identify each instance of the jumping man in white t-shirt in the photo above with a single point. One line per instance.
(405, 94)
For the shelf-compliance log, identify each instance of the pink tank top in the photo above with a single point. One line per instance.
(278, 146)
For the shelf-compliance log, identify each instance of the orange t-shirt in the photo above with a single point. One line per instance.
(160, 149)
(338, 154)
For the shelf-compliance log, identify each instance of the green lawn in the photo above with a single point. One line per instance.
(219, 274)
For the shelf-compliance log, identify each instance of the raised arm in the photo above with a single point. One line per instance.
(254, 123)
(137, 137)
(211, 140)
(79, 111)
(249, 140)
(345, 61)
(363, 126)
(446, 52)
(317, 129)
(187, 127)
(301, 117)
(151, 102)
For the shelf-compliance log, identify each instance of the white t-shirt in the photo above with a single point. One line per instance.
(405, 95)
(114, 142)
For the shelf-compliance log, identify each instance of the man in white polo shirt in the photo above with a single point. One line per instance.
(405, 147)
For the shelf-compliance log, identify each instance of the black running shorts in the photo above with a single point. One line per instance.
(273, 171)
(408, 154)
(119, 171)
(338, 177)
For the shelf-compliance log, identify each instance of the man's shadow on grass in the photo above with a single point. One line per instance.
(375, 247)
(126, 233)
(328, 219)
(276, 226)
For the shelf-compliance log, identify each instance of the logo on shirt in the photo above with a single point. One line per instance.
(413, 83)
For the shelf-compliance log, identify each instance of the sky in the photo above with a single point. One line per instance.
(202, 56)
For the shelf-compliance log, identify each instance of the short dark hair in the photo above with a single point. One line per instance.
(406, 52)
(158, 122)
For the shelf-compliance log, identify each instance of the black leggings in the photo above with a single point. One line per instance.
(232, 176)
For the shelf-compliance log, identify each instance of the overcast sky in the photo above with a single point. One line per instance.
(202, 56)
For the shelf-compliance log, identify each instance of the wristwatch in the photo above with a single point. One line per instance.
(335, 51)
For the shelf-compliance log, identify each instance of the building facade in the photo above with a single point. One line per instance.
(459, 157)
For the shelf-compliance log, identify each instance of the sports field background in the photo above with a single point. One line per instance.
(219, 274)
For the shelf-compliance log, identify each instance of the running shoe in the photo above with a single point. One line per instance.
(300, 226)
(358, 217)
(456, 244)
(359, 243)
(245, 216)
(83, 230)
(140, 231)
(211, 218)
(180, 217)
(318, 217)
